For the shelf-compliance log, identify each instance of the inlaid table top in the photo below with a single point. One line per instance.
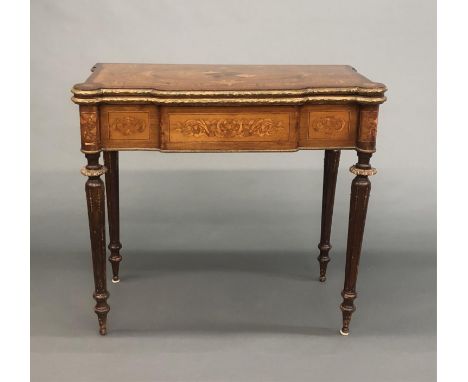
(226, 108)
(199, 81)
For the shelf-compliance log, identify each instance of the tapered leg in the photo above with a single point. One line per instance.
(96, 210)
(330, 172)
(360, 191)
(111, 161)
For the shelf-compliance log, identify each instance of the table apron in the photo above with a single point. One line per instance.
(230, 128)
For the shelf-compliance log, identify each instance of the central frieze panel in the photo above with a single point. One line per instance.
(212, 128)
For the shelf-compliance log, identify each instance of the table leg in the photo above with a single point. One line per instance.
(111, 161)
(360, 191)
(330, 172)
(96, 210)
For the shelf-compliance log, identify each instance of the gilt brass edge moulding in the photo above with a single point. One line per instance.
(182, 151)
(228, 93)
(231, 101)
(291, 150)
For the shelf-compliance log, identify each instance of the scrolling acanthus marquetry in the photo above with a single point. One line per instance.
(229, 127)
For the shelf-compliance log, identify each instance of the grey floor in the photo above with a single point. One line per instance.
(219, 283)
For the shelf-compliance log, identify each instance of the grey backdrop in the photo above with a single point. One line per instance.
(219, 278)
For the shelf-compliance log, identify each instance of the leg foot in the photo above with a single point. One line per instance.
(347, 309)
(102, 326)
(101, 309)
(323, 278)
(115, 258)
(323, 259)
(343, 333)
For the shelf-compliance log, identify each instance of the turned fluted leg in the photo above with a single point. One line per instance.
(330, 172)
(360, 191)
(96, 210)
(111, 161)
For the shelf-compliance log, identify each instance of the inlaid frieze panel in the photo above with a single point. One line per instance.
(215, 127)
(328, 126)
(229, 128)
(129, 127)
(226, 128)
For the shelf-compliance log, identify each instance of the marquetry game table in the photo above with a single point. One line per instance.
(226, 108)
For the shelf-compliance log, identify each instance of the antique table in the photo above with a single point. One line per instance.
(226, 108)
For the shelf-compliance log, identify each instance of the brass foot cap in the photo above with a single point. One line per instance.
(102, 331)
(344, 333)
(115, 280)
(322, 279)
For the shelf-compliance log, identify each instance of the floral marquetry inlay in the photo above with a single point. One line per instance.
(328, 124)
(128, 125)
(229, 127)
(368, 130)
(88, 122)
(131, 125)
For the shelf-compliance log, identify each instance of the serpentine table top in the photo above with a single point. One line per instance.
(290, 84)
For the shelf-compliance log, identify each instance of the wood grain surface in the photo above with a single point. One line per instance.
(225, 77)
